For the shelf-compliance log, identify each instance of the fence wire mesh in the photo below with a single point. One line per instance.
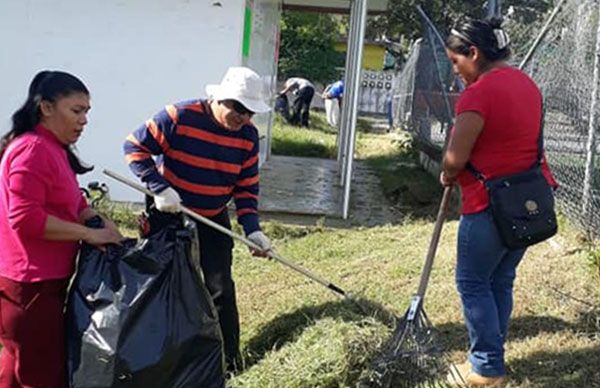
(562, 65)
(423, 101)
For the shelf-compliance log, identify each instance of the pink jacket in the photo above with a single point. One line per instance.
(36, 181)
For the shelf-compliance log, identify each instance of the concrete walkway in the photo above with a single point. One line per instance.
(303, 190)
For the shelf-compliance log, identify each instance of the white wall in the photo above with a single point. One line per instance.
(262, 57)
(134, 55)
(372, 5)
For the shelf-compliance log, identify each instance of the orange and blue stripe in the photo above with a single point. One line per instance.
(183, 147)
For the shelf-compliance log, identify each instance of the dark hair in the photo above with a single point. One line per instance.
(486, 35)
(45, 86)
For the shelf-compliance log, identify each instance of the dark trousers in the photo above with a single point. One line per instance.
(301, 106)
(216, 259)
(32, 332)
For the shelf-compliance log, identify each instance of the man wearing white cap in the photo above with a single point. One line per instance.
(207, 154)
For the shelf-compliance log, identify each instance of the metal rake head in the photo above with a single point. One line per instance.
(411, 358)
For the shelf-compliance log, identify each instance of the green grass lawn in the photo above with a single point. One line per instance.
(296, 333)
(317, 141)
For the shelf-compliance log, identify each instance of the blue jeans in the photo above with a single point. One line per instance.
(485, 273)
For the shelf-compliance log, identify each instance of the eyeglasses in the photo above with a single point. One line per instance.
(239, 108)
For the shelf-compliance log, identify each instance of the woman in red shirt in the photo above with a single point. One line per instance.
(497, 125)
(42, 216)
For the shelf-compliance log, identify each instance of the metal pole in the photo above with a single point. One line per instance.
(348, 92)
(494, 9)
(431, 26)
(341, 129)
(433, 33)
(439, 38)
(269, 136)
(353, 104)
(541, 35)
(274, 84)
(591, 143)
(344, 110)
(222, 229)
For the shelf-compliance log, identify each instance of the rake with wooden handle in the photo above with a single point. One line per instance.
(411, 357)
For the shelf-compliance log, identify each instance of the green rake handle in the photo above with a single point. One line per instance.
(236, 236)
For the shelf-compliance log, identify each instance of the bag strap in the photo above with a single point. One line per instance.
(540, 142)
(540, 150)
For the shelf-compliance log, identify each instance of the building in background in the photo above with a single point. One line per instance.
(373, 53)
(135, 56)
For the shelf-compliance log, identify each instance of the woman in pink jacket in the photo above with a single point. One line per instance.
(42, 216)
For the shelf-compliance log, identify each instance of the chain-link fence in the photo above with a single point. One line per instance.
(563, 66)
(424, 97)
(423, 103)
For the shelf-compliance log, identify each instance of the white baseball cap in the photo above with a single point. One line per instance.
(243, 85)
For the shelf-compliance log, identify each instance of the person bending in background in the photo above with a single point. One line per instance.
(496, 130)
(208, 153)
(42, 216)
(304, 91)
(332, 95)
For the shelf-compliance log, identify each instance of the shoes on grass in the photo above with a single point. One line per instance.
(462, 375)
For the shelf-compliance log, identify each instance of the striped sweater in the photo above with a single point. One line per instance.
(205, 163)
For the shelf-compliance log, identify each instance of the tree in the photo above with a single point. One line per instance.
(523, 20)
(307, 47)
(403, 20)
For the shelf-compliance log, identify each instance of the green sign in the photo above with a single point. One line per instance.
(247, 31)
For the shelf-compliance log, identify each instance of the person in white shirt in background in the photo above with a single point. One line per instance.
(304, 91)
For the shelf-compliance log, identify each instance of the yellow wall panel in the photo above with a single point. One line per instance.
(372, 55)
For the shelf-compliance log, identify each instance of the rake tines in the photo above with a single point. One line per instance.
(411, 358)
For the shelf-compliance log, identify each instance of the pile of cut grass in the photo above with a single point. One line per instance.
(295, 333)
(328, 353)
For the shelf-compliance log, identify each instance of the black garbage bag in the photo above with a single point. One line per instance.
(139, 315)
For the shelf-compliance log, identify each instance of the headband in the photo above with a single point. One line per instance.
(502, 39)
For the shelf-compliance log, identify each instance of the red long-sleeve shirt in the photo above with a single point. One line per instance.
(36, 181)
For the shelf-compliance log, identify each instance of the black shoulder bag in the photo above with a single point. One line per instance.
(522, 204)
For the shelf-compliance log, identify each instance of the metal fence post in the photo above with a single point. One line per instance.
(591, 142)
(345, 113)
(352, 102)
(433, 36)
(494, 9)
(541, 35)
